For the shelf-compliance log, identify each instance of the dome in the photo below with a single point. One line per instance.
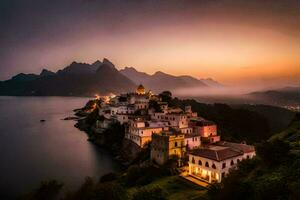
(140, 89)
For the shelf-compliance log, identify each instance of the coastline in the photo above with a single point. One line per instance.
(124, 152)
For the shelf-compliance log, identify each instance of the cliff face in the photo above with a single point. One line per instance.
(111, 138)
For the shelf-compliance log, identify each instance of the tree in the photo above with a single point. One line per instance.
(48, 190)
(273, 152)
(110, 190)
(166, 96)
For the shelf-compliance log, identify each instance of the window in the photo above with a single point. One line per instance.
(248, 157)
(231, 163)
(175, 144)
(213, 166)
(193, 160)
(200, 162)
(238, 160)
(223, 165)
(206, 164)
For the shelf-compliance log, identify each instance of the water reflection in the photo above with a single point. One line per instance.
(33, 151)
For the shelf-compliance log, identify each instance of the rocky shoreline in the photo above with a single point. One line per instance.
(123, 150)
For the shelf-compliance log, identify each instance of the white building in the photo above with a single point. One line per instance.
(212, 163)
(140, 131)
(175, 119)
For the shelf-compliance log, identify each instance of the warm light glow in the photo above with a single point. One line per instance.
(253, 42)
(97, 97)
(204, 172)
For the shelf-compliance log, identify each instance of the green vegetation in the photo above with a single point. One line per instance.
(153, 104)
(278, 118)
(233, 124)
(175, 188)
(129, 185)
(242, 123)
(273, 174)
(48, 190)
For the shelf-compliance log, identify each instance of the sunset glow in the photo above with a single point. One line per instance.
(229, 41)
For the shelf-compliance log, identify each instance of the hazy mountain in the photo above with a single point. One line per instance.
(160, 81)
(281, 96)
(77, 79)
(211, 82)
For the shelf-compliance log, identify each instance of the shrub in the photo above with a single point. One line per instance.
(108, 177)
(150, 193)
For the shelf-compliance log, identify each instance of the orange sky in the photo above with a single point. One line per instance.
(228, 40)
(234, 53)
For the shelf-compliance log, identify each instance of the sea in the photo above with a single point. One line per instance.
(33, 151)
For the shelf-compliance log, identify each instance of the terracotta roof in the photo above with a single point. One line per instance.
(217, 153)
(238, 146)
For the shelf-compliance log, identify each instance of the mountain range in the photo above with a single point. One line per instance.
(281, 96)
(102, 77)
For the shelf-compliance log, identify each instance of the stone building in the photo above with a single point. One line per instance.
(165, 145)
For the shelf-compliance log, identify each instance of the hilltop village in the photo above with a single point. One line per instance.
(170, 133)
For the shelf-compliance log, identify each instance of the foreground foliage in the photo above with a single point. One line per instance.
(273, 174)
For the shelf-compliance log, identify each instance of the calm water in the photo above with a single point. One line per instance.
(32, 151)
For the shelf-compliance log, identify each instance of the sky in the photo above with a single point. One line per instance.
(231, 41)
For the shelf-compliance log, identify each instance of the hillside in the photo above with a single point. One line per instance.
(273, 174)
(282, 96)
(249, 123)
(77, 79)
(278, 118)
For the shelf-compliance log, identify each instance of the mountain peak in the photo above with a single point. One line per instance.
(129, 69)
(159, 73)
(107, 62)
(211, 82)
(46, 72)
(97, 63)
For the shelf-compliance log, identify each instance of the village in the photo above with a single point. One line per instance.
(172, 132)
